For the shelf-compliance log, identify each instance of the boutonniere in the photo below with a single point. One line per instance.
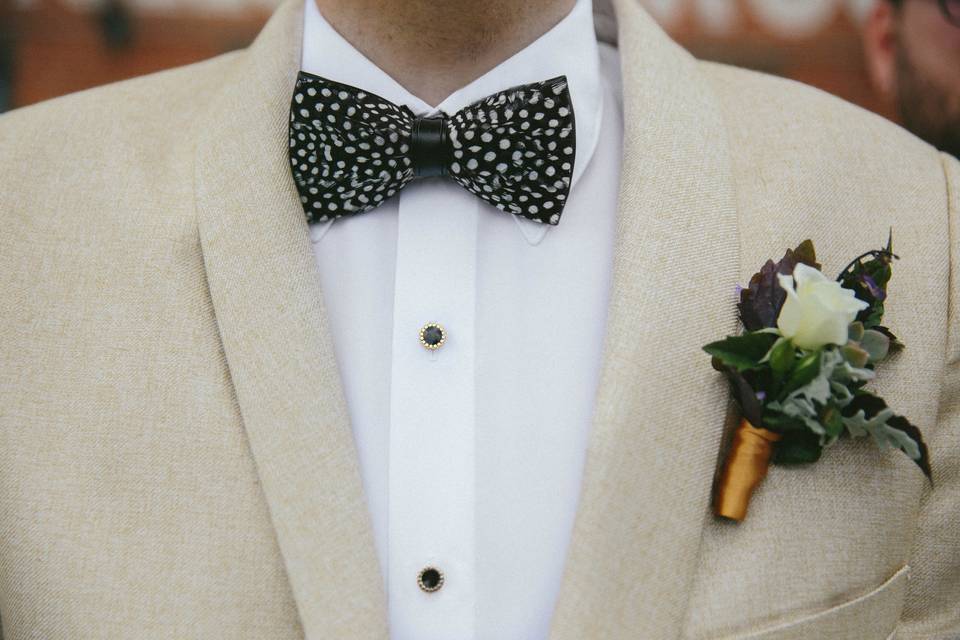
(800, 369)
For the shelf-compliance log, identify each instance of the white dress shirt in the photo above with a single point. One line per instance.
(472, 454)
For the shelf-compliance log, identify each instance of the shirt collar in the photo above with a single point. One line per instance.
(568, 48)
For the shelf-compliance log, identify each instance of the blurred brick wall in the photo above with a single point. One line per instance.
(60, 46)
(59, 49)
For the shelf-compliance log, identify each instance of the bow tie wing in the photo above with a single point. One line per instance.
(516, 148)
(349, 149)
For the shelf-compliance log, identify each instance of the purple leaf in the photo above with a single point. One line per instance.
(761, 300)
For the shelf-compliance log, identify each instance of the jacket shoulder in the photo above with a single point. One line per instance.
(133, 121)
(143, 98)
(788, 111)
(72, 159)
(794, 144)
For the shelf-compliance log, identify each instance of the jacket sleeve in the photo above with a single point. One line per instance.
(931, 611)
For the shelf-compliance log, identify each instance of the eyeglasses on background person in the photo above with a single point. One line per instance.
(949, 8)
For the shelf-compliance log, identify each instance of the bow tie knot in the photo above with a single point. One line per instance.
(428, 145)
(351, 149)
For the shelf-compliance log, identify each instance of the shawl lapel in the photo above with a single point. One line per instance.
(660, 409)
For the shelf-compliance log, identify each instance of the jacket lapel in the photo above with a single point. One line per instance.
(661, 408)
(266, 294)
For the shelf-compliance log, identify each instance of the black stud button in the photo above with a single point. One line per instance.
(430, 579)
(432, 336)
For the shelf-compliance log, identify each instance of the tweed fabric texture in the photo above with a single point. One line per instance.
(175, 453)
(931, 609)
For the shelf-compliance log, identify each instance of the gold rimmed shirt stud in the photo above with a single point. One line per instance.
(432, 336)
(430, 579)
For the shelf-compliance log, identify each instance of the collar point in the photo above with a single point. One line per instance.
(531, 230)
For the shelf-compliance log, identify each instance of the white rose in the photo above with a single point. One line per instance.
(819, 311)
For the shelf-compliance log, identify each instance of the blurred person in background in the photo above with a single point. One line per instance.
(913, 55)
(253, 388)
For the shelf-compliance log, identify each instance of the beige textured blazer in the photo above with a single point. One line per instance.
(176, 459)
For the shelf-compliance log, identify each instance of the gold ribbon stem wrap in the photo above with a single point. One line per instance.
(744, 469)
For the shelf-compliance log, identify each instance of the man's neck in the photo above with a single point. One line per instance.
(434, 47)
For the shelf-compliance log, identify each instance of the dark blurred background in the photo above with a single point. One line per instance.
(52, 47)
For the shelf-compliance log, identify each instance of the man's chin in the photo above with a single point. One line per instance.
(932, 130)
(951, 143)
(926, 116)
(927, 109)
(946, 139)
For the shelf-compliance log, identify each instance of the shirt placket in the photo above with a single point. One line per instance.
(432, 416)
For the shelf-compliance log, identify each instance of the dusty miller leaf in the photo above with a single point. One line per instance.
(869, 414)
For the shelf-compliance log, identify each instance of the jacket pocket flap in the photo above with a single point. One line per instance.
(872, 616)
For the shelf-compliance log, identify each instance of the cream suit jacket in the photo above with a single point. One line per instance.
(176, 459)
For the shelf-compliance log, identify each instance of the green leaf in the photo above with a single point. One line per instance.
(781, 423)
(879, 269)
(745, 396)
(803, 373)
(742, 352)
(798, 447)
(869, 403)
(867, 276)
(783, 355)
(872, 316)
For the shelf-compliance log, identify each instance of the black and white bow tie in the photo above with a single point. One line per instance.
(350, 149)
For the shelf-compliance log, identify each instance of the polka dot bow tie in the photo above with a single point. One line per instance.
(350, 149)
